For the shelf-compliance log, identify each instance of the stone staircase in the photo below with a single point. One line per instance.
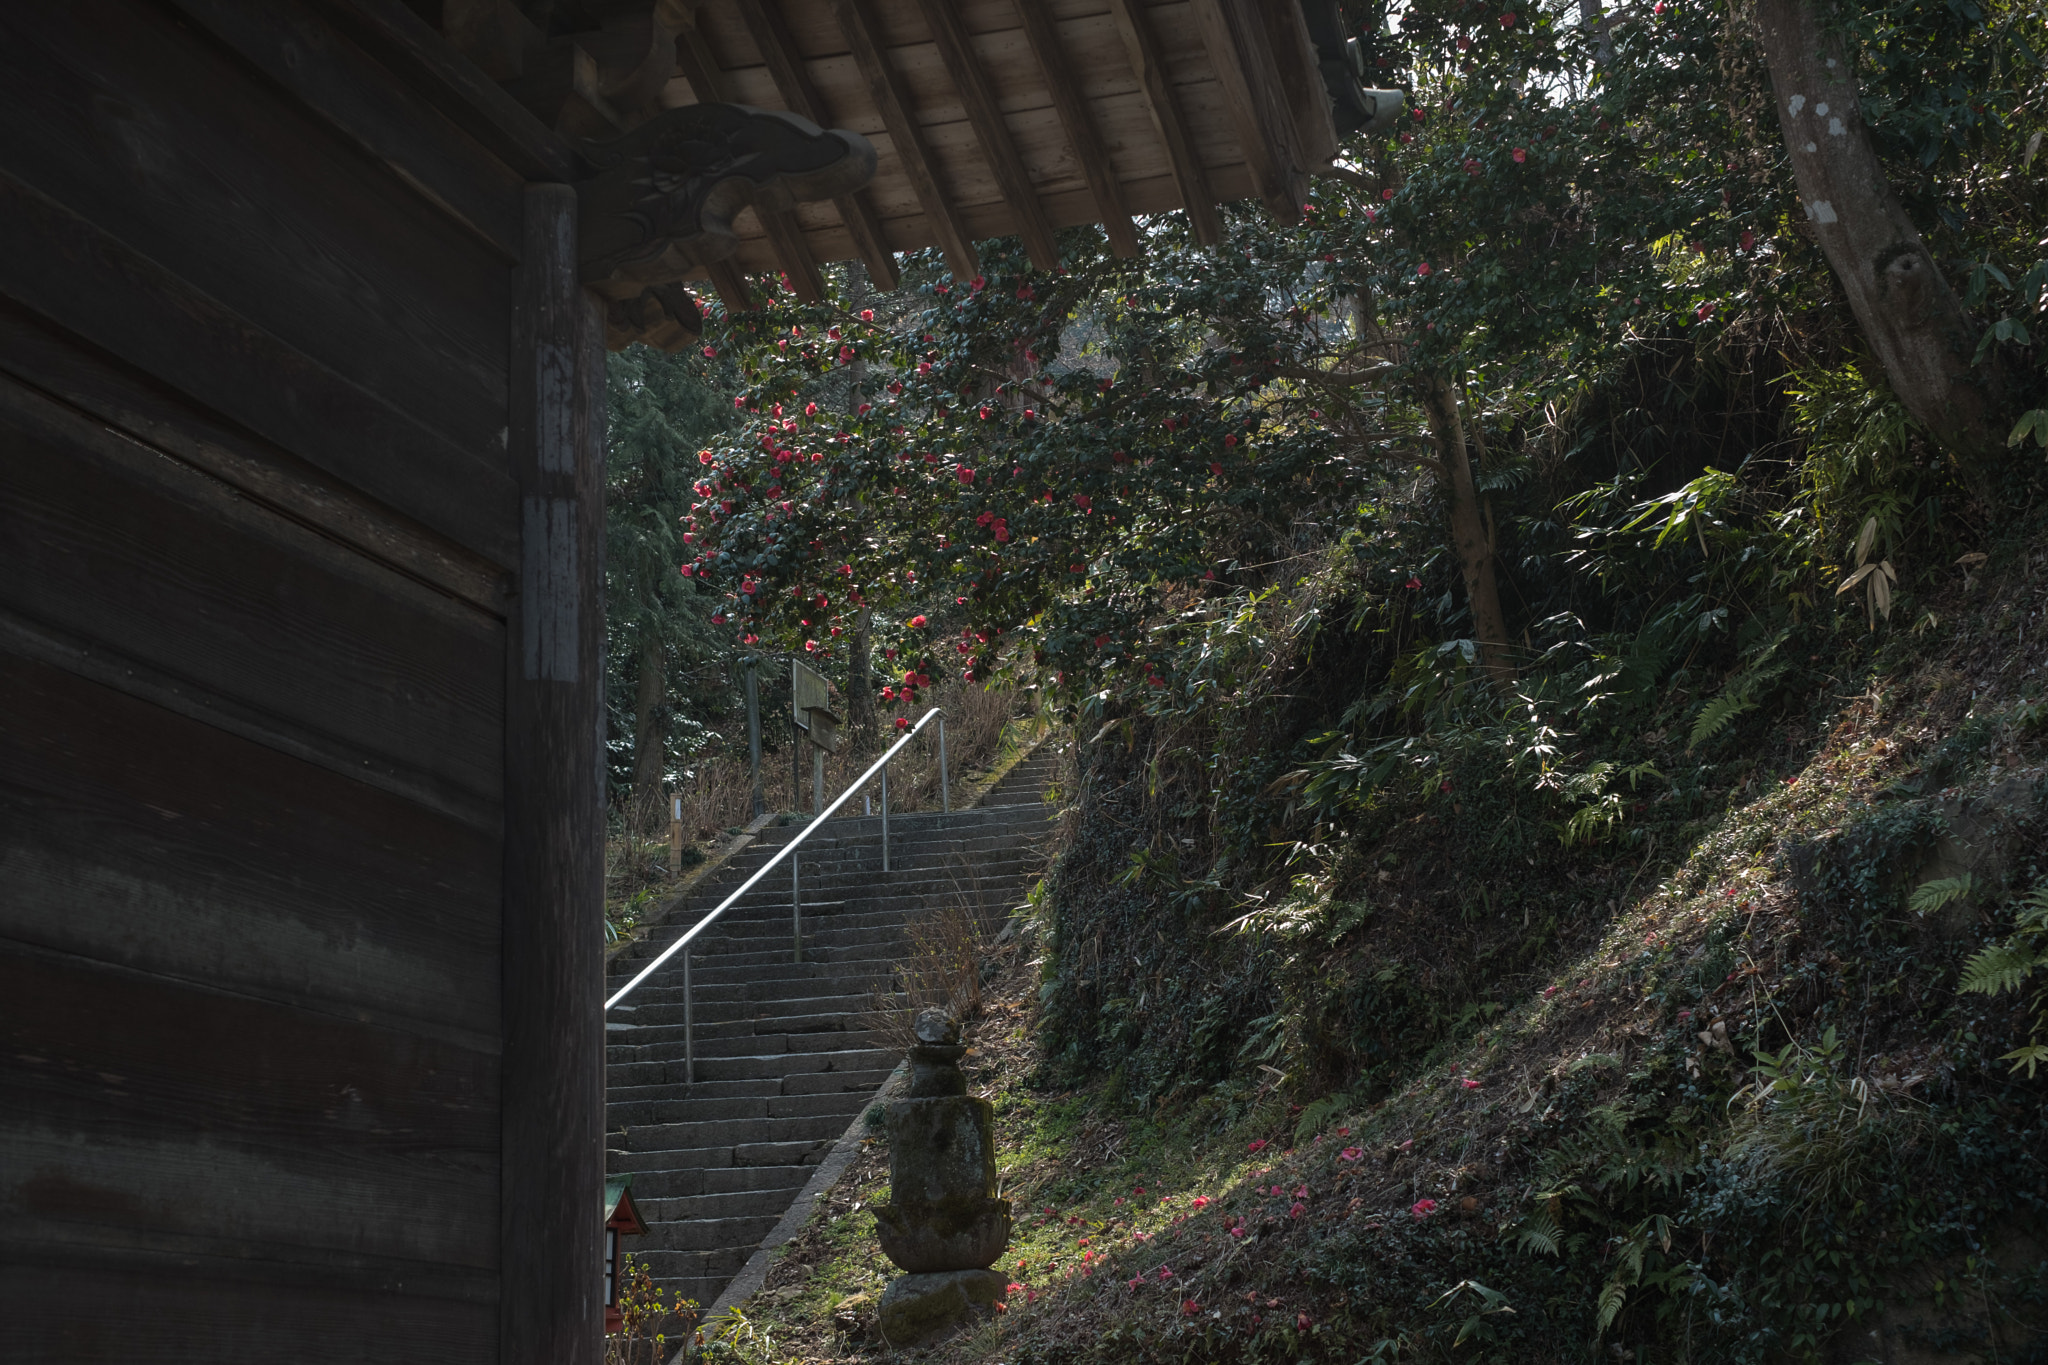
(783, 1062)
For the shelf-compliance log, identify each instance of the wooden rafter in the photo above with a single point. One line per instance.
(949, 33)
(1043, 35)
(785, 235)
(1242, 56)
(771, 35)
(863, 32)
(1301, 80)
(1143, 49)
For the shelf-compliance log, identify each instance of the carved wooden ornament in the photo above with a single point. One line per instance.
(664, 197)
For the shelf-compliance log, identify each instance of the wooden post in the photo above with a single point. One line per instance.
(552, 1070)
(754, 737)
(675, 836)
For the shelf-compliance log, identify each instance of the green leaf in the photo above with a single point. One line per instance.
(1931, 896)
(1716, 716)
(2035, 422)
(2001, 967)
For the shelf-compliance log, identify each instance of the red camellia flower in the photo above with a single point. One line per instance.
(1216, 469)
(1230, 440)
(1301, 1322)
(1705, 310)
(1422, 269)
(810, 646)
(1520, 155)
(1748, 240)
(1386, 194)
(1507, 21)
(1464, 43)
(1189, 1308)
(916, 622)
(966, 474)
(902, 723)
(986, 414)
(1472, 166)
(1421, 1209)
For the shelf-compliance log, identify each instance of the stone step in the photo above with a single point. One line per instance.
(785, 1060)
(785, 1155)
(665, 1008)
(769, 1204)
(708, 1234)
(629, 1111)
(660, 1182)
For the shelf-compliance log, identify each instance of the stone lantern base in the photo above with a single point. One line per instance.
(915, 1308)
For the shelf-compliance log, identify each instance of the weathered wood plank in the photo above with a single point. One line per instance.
(985, 116)
(159, 137)
(857, 210)
(779, 226)
(142, 1113)
(554, 815)
(294, 46)
(864, 35)
(136, 836)
(417, 53)
(105, 541)
(92, 1312)
(66, 269)
(1301, 80)
(40, 355)
(1044, 37)
(1242, 57)
(1142, 47)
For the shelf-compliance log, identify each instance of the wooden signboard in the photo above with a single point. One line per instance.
(811, 706)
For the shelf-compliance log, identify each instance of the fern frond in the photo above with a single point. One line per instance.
(1611, 1299)
(1540, 1231)
(2001, 967)
(1716, 716)
(1316, 1115)
(1931, 896)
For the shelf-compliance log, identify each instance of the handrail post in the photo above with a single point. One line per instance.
(885, 816)
(796, 903)
(945, 791)
(689, 1031)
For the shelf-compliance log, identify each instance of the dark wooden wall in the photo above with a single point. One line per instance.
(269, 435)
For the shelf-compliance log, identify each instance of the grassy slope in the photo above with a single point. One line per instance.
(1894, 1183)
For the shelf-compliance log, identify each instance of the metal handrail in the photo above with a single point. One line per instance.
(788, 850)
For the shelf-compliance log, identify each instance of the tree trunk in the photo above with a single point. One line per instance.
(860, 687)
(1469, 540)
(649, 734)
(1911, 318)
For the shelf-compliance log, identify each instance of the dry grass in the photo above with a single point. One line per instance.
(942, 968)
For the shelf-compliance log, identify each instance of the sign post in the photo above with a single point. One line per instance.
(754, 737)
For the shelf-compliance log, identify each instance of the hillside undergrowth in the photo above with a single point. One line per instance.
(1712, 1094)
